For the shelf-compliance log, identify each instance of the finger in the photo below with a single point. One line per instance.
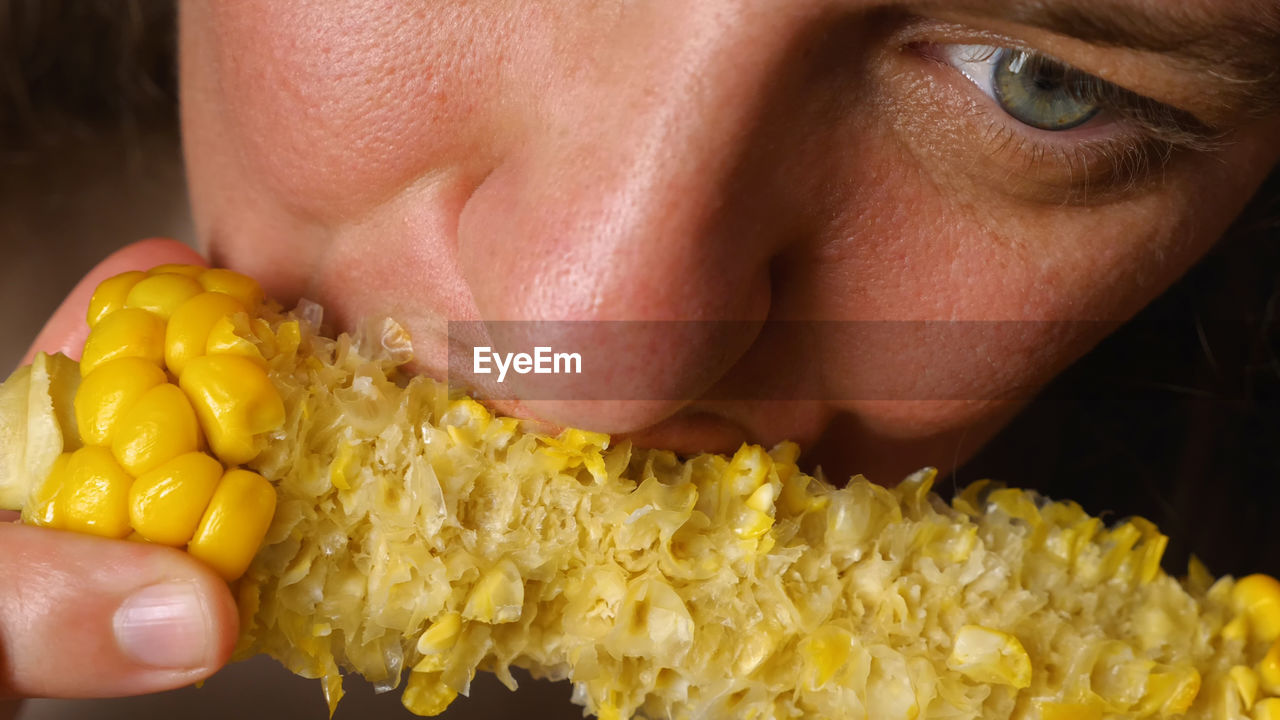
(81, 616)
(66, 330)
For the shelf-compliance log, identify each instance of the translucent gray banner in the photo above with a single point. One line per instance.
(770, 361)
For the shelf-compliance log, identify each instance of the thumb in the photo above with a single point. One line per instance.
(66, 330)
(81, 616)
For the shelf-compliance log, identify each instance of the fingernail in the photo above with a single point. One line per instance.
(164, 626)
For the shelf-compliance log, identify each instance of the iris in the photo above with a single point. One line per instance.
(1041, 92)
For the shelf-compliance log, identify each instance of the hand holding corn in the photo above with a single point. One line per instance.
(380, 524)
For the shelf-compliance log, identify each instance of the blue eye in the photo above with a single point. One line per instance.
(1031, 88)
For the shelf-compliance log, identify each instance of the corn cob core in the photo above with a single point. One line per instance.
(158, 461)
(419, 538)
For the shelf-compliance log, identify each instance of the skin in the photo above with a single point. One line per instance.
(730, 160)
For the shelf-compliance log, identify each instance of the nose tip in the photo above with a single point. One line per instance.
(626, 205)
(641, 285)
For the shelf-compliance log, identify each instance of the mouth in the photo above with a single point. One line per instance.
(691, 433)
(688, 432)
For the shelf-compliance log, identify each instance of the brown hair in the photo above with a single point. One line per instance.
(71, 69)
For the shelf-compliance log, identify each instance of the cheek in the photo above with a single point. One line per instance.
(334, 107)
(944, 311)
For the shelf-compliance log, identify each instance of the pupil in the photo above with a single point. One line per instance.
(1043, 76)
(1048, 83)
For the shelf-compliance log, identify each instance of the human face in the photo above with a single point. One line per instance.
(732, 160)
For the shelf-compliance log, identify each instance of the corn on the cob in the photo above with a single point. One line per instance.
(417, 534)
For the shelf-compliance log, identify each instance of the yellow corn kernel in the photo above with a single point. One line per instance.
(438, 640)
(1170, 691)
(191, 271)
(129, 332)
(288, 337)
(798, 499)
(1269, 670)
(498, 597)
(235, 522)
(1237, 629)
(166, 504)
(1257, 597)
(343, 462)
(825, 652)
(224, 340)
(1245, 681)
(160, 426)
(187, 334)
(107, 393)
(751, 524)
(1268, 709)
(110, 295)
(41, 508)
(94, 494)
(990, 656)
(241, 287)
(441, 635)
(426, 694)
(762, 499)
(756, 517)
(1069, 711)
(162, 294)
(235, 401)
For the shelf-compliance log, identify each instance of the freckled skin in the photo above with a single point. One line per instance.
(661, 160)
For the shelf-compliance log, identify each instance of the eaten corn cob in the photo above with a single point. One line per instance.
(415, 537)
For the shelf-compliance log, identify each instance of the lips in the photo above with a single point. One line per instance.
(691, 432)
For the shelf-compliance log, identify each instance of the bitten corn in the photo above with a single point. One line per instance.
(411, 536)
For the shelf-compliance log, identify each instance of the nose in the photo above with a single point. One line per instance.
(628, 212)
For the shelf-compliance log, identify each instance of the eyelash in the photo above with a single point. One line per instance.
(1130, 136)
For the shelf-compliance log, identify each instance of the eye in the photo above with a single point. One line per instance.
(1030, 87)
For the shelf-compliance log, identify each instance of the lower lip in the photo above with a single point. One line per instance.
(691, 434)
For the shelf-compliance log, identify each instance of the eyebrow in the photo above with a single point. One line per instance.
(1239, 47)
